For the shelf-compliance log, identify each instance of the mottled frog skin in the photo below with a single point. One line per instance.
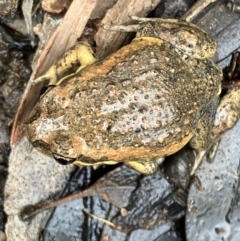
(137, 106)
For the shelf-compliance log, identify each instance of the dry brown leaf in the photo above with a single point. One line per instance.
(110, 41)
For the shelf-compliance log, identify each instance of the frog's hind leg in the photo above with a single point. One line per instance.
(212, 128)
(80, 54)
(202, 140)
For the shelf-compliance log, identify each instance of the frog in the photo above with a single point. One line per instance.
(137, 106)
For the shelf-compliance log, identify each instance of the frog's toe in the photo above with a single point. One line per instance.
(198, 160)
(210, 155)
(212, 152)
(122, 28)
(146, 166)
(139, 19)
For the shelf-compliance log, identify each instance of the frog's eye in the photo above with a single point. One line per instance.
(63, 160)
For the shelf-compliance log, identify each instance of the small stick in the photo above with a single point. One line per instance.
(31, 210)
(112, 225)
(231, 84)
(196, 9)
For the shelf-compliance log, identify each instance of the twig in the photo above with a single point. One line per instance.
(196, 9)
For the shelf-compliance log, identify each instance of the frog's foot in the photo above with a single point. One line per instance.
(212, 152)
(210, 155)
(198, 160)
(132, 27)
(146, 166)
(79, 55)
(139, 26)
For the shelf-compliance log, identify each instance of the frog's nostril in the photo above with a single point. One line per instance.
(43, 145)
(63, 160)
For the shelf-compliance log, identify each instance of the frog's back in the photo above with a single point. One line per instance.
(136, 102)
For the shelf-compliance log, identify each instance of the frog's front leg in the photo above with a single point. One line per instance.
(80, 55)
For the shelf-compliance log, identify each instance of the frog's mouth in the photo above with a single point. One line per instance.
(82, 160)
(63, 160)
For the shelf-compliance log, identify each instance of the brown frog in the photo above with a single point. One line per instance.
(137, 106)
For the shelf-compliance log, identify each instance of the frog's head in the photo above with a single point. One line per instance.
(49, 134)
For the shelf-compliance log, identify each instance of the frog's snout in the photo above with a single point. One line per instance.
(30, 124)
(39, 139)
